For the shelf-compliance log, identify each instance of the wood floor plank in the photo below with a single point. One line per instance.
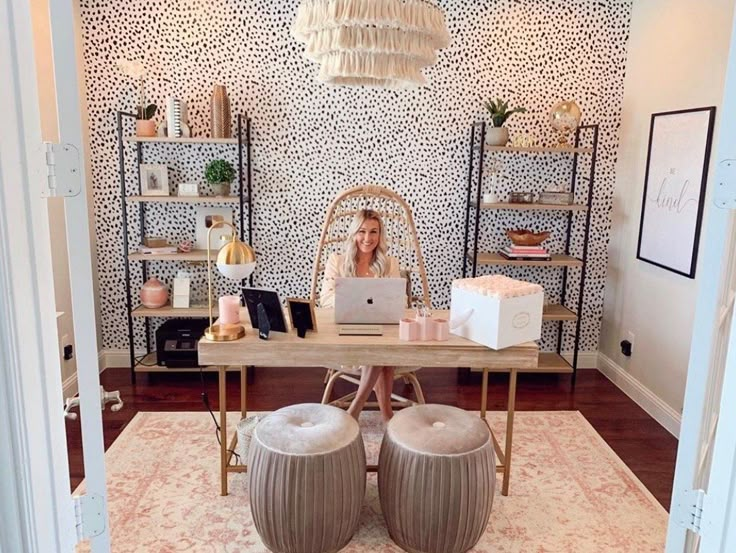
(647, 448)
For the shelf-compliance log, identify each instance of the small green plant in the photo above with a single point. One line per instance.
(146, 112)
(219, 170)
(500, 111)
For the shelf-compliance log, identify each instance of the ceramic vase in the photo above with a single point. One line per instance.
(221, 188)
(154, 294)
(145, 127)
(497, 136)
(220, 113)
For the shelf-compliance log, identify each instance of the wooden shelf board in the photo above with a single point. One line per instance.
(539, 149)
(168, 311)
(498, 259)
(194, 255)
(533, 206)
(182, 140)
(552, 362)
(556, 312)
(187, 199)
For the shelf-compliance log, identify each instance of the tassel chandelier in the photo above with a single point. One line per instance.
(380, 43)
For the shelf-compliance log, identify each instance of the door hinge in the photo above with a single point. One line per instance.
(690, 510)
(724, 195)
(63, 175)
(89, 515)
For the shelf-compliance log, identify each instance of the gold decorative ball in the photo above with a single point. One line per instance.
(565, 117)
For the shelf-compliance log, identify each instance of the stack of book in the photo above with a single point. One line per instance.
(156, 250)
(525, 253)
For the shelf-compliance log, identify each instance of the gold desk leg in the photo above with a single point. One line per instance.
(484, 394)
(243, 391)
(223, 429)
(509, 432)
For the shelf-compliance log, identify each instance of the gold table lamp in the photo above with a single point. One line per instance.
(235, 260)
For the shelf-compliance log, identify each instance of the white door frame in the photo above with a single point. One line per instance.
(705, 391)
(38, 513)
(39, 507)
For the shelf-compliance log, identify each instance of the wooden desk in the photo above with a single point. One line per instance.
(327, 347)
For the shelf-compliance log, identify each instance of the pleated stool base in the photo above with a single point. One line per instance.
(307, 483)
(436, 479)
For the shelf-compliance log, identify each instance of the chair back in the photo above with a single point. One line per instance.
(401, 235)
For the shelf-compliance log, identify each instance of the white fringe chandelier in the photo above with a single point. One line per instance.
(381, 43)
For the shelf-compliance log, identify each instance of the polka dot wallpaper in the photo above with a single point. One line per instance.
(311, 141)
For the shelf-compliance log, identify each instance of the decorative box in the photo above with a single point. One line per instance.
(557, 198)
(496, 311)
(521, 197)
(188, 189)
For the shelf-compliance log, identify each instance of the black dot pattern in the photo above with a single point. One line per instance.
(311, 141)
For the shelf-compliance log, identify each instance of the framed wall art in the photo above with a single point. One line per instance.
(674, 188)
(205, 217)
(154, 179)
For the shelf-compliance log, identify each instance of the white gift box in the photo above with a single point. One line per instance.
(496, 320)
(180, 297)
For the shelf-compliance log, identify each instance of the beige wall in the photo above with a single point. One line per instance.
(676, 59)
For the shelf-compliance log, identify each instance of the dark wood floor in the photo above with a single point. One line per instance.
(639, 441)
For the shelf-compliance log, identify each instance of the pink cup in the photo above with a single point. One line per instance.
(408, 330)
(426, 328)
(229, 310)
(441, 330)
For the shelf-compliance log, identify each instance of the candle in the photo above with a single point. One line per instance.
(229, 310)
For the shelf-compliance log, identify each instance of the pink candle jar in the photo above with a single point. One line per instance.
(229, 310)
(441, 330)
(154, 294)
(408, 330)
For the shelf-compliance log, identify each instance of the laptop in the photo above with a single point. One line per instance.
(369, 300)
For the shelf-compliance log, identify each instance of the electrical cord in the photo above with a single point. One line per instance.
(218, 429)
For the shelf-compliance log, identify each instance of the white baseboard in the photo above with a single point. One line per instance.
(665, 415)
(116, 358)
(586, 359)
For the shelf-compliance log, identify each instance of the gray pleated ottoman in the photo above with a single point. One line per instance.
(436, 479)
(306, 474)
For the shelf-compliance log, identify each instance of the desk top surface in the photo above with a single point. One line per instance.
(326, 347)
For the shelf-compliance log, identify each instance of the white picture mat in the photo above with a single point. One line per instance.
(671, 203)
(154, 179)
(216, 242)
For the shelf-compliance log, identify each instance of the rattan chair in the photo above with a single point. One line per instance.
(402, 244)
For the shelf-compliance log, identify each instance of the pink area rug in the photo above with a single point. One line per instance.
(569, 492)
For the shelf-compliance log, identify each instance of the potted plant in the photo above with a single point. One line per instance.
(498, 135)
(144, 124)
(220, 174)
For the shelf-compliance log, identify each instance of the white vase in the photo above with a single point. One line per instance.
(497, 136)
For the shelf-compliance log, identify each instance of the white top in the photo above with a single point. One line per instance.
(334, 269)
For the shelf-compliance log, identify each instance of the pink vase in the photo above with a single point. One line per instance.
(154, 294)
(145, 127)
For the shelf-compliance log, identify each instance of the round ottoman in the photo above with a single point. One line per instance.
(306, 475)
(436, 478)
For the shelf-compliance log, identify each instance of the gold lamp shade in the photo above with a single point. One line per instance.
(235, 260)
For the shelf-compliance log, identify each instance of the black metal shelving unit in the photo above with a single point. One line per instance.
(474, 207)
(244, 195)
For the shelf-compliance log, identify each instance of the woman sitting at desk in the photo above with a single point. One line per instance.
(364, 257)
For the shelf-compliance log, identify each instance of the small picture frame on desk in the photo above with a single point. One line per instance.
(154, 179)
(264, 310)
(301, 314)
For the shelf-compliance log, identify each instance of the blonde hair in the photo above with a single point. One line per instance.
(379, 264)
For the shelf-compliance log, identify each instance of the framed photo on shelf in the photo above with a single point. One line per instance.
(301, 314)
(674, 189)
(205, 217)
(154, 179)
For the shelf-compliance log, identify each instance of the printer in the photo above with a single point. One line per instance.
(176, 342)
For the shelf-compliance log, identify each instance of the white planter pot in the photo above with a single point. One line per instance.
(497, 136)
